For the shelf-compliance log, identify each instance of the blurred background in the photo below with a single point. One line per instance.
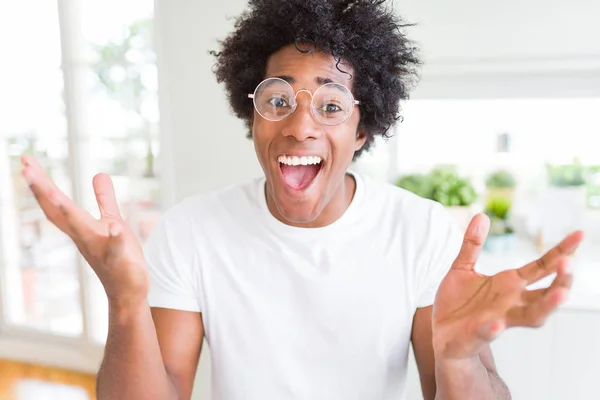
(504, 121)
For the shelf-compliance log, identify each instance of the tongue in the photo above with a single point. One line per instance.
(299, 176)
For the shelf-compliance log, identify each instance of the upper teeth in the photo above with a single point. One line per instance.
(293, 160)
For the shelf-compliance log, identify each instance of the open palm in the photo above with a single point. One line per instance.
(108, 244)
(471, 309)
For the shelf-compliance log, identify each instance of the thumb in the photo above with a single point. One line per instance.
(474, 238)
(105, 196)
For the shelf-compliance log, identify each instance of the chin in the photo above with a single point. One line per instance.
(298, 214)
(298, 191)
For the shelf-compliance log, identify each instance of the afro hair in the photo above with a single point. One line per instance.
(365, 33)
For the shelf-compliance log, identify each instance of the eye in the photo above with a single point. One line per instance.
(330, 108)
(278, 102)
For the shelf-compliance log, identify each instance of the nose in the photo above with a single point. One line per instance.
(301, 124)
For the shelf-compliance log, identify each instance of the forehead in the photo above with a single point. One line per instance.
(309, 69)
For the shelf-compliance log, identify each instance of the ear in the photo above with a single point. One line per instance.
(361, 138)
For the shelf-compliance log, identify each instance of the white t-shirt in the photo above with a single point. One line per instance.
(303, 313)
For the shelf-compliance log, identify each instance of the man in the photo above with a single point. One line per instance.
(310, 282)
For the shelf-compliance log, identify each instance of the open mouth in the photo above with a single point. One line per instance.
(299, 172)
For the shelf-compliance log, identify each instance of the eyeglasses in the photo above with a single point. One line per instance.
(331, 104)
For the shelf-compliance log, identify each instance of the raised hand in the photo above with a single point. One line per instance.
(108, 244)
(471, 309)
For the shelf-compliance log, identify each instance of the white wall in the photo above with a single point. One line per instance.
(472, 49)
(507, 48)
(507, 30)
(204, 146)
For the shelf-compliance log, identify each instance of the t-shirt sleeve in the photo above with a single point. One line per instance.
(445, 241)
(170, 261)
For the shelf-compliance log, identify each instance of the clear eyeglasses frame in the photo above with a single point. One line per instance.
(331, 104)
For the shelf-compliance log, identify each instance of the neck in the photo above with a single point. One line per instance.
(335, 208)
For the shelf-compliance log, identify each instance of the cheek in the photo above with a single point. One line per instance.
(258, 134)
(345, 139)
(343, 145)
(262, 138)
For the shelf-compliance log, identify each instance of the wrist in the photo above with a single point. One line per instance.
(464, 379)
(458, 365)
(124, 310)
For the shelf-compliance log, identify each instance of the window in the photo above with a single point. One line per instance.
(80, 94)
(42, 286)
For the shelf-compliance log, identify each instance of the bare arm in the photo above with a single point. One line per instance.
(470, 379)
(180, 335)
(444, 381)
(149, 354)
(132, 366)
(421, 339)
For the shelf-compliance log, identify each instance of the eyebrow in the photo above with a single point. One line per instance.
(320, 80)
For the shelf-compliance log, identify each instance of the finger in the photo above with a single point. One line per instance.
(105, 197)
(29, 161)
(564, 279)
(535, 314)
(472, 243)
(33, 164)
(547, 264)
(44, 194)
(56, 205)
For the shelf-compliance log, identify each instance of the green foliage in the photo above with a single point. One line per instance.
(120, 68)
(420, 184)
(501, 179)
(498, 210)
(498, 207)
(566, 175)
(443, 184)
(451, 189)
(125, 59)
(593, 187)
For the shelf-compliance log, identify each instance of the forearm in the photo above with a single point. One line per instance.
(133, 367)
(468, 379)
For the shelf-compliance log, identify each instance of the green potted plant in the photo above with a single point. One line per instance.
(501, 236)
(419, 184)
(593, 189)
(446, 186)
(567, 182)
(566, 175)
(562, 208)
(450, 189)
(443, 184)
(500, 183)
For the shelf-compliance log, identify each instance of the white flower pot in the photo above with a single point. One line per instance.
(500, 243)
(562, 211)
